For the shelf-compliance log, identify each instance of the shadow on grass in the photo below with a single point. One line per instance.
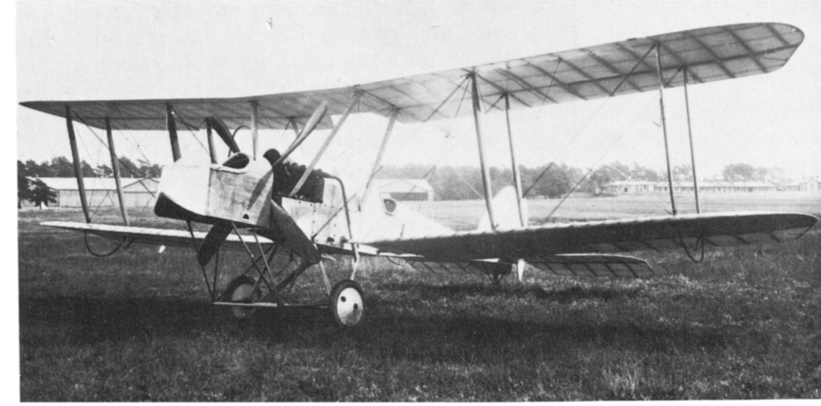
(525, 291)
(387, 334)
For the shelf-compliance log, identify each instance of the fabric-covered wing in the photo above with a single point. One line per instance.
(588, 265)
(597, 265)
(273, 112)
(619, 68)
(538, 244)
(157, 236)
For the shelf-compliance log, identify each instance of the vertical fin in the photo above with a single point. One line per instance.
(506, 211)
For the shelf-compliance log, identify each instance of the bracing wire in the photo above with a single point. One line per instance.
(127, 169)
(601, 157)
(134, 143)
(189, 128)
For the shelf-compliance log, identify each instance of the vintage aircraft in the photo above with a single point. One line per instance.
(278, 208)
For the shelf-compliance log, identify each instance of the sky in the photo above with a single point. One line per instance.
(149, 49)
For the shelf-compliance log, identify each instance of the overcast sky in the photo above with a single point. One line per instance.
(143, 49)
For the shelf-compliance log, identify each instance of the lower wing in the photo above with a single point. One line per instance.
(539, 244)
(155, 236)
(595, 265)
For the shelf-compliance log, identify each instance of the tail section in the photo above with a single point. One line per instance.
(505, 211)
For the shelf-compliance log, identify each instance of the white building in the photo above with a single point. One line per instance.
(102, 192)
(642, 187)
(804, 185)
(404, 189)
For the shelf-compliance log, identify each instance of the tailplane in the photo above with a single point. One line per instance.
(505, 211)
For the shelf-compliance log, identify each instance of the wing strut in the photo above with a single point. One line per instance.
(254, 127)
(517, 179)
(115, 167)
(75, 156)
(210, 135)
(485, 171)
(690, 133)
(172, 132)
(379, 156)
(664, 127)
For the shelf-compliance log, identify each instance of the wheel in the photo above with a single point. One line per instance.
(346, 304)
(240, 290)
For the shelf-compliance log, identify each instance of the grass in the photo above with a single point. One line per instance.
(137, 326)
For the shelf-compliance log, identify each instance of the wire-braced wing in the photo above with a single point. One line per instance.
(619, 68)
(653, 233)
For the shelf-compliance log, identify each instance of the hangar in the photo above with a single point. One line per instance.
(102, 192)
(405, 189)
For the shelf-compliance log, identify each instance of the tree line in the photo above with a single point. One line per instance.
(555, 180)
(32, 189)
(552, 180)
(61, 167)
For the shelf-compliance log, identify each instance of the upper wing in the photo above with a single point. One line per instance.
(653, 233)
(708, 54)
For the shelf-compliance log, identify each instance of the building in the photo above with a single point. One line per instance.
(804, 185)
(102, 192)
(630, 187)
(643, 187)
(404, 189)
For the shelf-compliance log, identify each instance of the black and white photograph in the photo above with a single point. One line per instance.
(401, 201)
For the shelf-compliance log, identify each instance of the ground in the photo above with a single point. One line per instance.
(137, 325)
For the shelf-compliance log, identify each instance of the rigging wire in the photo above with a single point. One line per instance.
(412, 136)
(135, 142)
(189, 128)
(127, 169)
(601, 157)
(119, 160)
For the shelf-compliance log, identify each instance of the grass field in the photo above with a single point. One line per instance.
(137, 326)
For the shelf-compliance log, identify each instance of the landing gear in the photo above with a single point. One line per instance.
(240, 290)
(245, 293)
(346, 304)
(496, 278)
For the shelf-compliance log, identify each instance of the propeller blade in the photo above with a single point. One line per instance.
(213, 240)
(286, 232)
(222, 130)
(306, 131)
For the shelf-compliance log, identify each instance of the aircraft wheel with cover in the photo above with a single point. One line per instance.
(239, 290)
(347, 304)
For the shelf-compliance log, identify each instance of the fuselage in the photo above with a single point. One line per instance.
(240, 191)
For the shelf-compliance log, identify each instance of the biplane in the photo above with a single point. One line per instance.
(266, 206)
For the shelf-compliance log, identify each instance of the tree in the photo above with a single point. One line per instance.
(606, 174)
(682, 173)
(87, 170)
(60, 167)
(42, 194)
(104, 171)
(128, 167)
(23, 186)
(739, 172)
(29, 169)
(639, 172)
(555, 181)
(149, 171)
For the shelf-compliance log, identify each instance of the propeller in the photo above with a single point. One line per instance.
(222, 130)
(306, 131)
(213, 240)
(288, 232)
